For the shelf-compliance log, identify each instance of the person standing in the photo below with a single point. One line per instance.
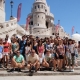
(71, 48)
(22, 46)
(1, 50)
(6, 51)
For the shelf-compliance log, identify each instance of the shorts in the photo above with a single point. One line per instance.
(0, 55)
(5, 53)
(61, 57)
(69, 62)
(41, 58)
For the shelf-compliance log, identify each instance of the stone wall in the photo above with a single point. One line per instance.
(2, 16)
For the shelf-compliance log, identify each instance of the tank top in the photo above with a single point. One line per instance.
(41, 49)
(27, 48)
(14, 46)
(6, 47)
(61, 49)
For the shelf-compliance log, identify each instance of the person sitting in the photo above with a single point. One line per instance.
(47, 60)
(18, 62)
(33, 61)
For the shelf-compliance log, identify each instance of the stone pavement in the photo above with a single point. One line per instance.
(39, 73)
(76, 77)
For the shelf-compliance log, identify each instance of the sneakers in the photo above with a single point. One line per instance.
(19, 70)
(72, 70)
(32, 69)
(11, 70)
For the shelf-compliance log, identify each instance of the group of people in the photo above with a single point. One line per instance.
(35, 53)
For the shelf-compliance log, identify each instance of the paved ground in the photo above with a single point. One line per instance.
(41, 78)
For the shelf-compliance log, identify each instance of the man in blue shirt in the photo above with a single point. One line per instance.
(22, 46)
(18, 61)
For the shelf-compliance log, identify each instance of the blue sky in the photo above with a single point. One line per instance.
(67, 11)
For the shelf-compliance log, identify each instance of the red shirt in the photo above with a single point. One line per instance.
(6, 47)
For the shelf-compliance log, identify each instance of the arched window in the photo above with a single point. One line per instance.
(31, 22)
(38, 6)
(38, 24)
(47, 24)
(38, 16)
(45, 10)
(52, 33)
(35, 7)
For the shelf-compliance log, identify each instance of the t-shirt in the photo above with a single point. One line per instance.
(1, 49)
(49, 46)
(19, 59)
(33, 59)
(9, 41)
(71, 47)
(22, 46)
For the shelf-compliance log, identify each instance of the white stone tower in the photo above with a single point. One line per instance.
(39, 15)
(2, 11)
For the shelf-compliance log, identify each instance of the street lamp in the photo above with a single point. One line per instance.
(11, 3)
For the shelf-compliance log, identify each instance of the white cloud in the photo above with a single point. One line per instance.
(76, 37)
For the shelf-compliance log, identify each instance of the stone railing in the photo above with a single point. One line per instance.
(8, 23)
(8, 27)
(50, 14)
(43, 32)
(11, 27)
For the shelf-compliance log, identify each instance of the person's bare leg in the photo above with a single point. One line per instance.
(37, 66)
(29, 67)
(45, 64)
(7, 60)
(3, 61)
(54, 64)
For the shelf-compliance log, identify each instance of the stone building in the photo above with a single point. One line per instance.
(41, 22)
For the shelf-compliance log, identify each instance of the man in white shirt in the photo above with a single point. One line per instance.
(7, 36)
(33, 61)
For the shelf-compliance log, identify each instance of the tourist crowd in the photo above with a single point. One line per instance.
(36, 53)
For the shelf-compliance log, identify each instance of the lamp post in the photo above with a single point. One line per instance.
(11, 3)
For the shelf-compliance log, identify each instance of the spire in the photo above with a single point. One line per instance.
(44, 1)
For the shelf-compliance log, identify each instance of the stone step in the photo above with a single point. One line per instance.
(39, 73)
(78, 61)
(4, 69)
